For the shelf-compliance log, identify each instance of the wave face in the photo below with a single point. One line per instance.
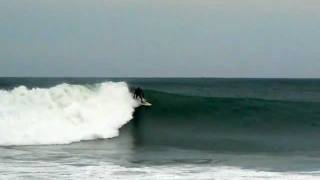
(228, 124)
(64, 113)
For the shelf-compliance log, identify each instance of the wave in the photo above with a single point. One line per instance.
(235, 124)
(70, 113)
(233, 111)
(64, 113)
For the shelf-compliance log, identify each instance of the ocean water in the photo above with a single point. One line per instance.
(91, 128)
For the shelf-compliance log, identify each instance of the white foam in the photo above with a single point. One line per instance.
(64, 113)
(183, 172)
(104, 170)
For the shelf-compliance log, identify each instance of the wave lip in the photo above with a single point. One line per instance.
(64, 114)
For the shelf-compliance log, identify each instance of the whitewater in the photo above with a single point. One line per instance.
(64, 113)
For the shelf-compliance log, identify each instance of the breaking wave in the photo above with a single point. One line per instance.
(64, 114)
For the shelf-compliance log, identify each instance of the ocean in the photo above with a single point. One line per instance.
(197, 128)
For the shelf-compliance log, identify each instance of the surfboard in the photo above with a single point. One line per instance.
(146, 103)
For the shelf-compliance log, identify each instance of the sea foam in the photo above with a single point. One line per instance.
(64, 114)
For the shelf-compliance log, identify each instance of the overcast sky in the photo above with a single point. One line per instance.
(160, 38)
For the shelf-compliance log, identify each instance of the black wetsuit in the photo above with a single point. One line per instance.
(138, 93)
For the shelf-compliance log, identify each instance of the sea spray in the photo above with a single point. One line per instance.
(64, 114)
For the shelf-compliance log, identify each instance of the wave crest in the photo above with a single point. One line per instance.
(64, 113)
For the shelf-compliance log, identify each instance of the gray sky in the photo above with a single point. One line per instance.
(211, 38)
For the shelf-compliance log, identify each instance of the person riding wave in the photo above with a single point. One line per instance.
(138, 93)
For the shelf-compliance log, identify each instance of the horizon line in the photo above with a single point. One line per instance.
(159, 77)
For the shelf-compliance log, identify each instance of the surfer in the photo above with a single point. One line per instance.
(138, 93)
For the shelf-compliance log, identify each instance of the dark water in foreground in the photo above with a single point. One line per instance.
(196, 128)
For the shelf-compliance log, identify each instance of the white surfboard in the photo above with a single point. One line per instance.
(145, 103)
